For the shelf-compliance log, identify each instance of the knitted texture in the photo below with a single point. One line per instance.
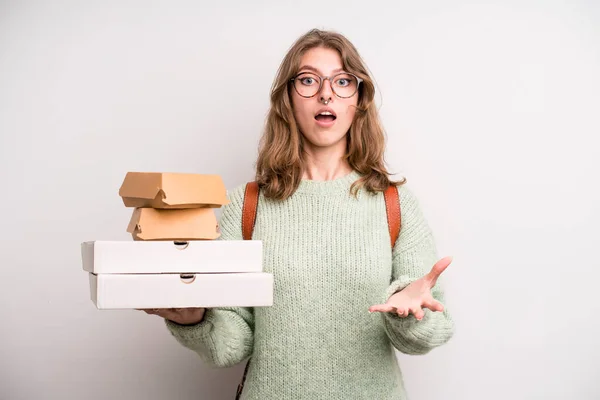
(331, 259)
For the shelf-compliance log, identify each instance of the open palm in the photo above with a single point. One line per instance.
(416, 296)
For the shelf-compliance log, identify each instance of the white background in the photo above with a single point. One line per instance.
(491, 109)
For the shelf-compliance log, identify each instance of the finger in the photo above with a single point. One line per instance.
(402, 312)
(161, 312)
(171, 314)
(437, 269)
(382, 308)
(151, 311)
(433, 305)
(418, 313)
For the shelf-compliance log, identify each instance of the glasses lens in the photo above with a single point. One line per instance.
(307, 84)
(344, 85)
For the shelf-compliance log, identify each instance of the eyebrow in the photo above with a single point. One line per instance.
(311, 68)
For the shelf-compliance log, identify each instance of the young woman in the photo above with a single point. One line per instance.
(344, 298)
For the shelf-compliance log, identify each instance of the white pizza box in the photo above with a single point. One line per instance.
(137, 291)
(194, 256)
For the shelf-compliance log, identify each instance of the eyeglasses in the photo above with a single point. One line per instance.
(344, 84)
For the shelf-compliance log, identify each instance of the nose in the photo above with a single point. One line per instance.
(326, 89)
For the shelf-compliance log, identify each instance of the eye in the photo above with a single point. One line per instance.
(307, 79)
(343, 82)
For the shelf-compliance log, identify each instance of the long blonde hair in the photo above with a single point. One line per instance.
(280, 162)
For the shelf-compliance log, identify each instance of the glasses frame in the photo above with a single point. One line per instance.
(322, 80)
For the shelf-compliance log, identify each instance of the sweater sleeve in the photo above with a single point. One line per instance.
(225, 335)
(414, 255)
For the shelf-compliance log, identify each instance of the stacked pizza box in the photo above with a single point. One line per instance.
(175, 259)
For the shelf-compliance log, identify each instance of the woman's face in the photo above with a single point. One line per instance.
(318, 128)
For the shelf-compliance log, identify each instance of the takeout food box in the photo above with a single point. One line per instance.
(172, 190)
(155, 257)
(168, 274)
(182, 224)
(114, 291)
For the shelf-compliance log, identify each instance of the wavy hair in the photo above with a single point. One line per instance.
(281, 158)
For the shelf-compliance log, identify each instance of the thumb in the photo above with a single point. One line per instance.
(437, 270)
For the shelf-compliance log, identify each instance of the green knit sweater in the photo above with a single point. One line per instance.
(331, 258)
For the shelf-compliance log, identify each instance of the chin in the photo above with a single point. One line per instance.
(326, 139)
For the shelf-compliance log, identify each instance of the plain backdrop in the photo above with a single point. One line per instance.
(492, 114)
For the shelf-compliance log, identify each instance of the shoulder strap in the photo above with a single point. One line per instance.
(249, 209)
(248, 220)
(392, 207)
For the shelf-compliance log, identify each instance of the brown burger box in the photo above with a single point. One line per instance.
(173, 190)
(176, 225)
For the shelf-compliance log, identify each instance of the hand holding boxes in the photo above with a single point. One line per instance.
(174, 260)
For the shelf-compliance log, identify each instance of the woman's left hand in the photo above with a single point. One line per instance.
(416, 296)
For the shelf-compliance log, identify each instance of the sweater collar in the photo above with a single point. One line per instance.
(338, 185)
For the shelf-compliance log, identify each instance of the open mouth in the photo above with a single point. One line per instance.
(325, 116)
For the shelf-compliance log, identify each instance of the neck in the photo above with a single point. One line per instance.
(325, 163)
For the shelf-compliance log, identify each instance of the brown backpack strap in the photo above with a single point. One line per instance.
(248, 220)
(249, 210)
(392, 208)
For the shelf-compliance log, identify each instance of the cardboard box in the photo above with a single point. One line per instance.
(172, 190)
(156, 257)
(183, 224)
(120, 291)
